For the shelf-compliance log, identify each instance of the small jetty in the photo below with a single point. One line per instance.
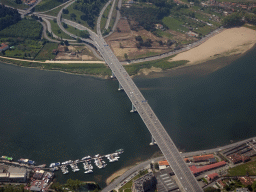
(87, 162)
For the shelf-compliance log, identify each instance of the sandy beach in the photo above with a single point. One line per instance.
(117, 173)
(228, 42)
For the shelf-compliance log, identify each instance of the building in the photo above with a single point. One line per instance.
(221, 184)
(13, 175)
(159, 26)
(163, 164)
(197, 170)
(144, 183)
(165, 182)
(4, 47)
(242, 190)
(202, 158)
(238, 158)
(55, 51)
(192, 34)
(212, 176)
(212, 160)
(246, 180)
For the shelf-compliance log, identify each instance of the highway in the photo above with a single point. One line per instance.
(110, 14)
(29, 9)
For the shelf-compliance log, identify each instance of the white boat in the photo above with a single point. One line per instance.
(86, 158)
(89, 171)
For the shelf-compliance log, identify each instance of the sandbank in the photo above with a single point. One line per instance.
(228, 42)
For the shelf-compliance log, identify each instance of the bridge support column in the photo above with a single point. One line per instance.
(112, 76)
(120, 87)
(133, 109)
(153, 142)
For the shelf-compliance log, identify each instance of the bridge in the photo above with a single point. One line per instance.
(185, 177)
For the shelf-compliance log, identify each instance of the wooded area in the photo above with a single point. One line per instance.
(28, 28)
(8, 16)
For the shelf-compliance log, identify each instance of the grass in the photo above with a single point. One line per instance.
(105, 17)
(113, 18)
(243, 169)
(78, 15)
(54, 12)
(127, 187)
(164, 64)
(73, 30)
(26, 48)
(161, 33)
(12, 3)
(46, 52)
(57, 31)
(250, 26)
(47, 5)
(204, 30)
(90, 69)
(174, 24)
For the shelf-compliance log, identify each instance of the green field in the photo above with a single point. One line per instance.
(22, 48)
(174, 24)
(164, 64)
(47, 5)
(54, 12)
(90, 69)
(12, 3)
(73, 30)
(57, 31)
(27, 28)
(243, 169)
(46, 52)
(78, 15)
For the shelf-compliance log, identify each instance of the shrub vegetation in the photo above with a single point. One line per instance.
(27, 28)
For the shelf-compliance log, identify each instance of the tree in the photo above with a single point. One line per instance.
(78, 40)
(126, 56)
(156, 166)
(232, 20)
(254, 186)
(66, 43)
(18, 1)
(84, 34)
(65, 25)
(65, 11)
(118, 30)
(73, 15)
(54, 20)
(160, 42)
(139, 38)
(120, 45)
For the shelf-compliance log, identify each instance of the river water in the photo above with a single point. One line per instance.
(50, 116)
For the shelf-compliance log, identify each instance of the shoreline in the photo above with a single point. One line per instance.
(196, 56)
(160, 158)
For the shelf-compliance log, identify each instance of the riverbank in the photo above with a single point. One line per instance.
(93, 69)
(229, 42)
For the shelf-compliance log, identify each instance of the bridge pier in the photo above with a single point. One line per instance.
(112, 76)
(120, 87)
(133, 109)
(153, 142)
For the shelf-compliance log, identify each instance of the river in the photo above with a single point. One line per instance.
(50, 116)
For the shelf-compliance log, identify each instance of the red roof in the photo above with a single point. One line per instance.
(3, 46)
(213, 176)
(196, 170)
(203, 157)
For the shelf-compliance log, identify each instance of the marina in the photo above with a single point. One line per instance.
(88, 167)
